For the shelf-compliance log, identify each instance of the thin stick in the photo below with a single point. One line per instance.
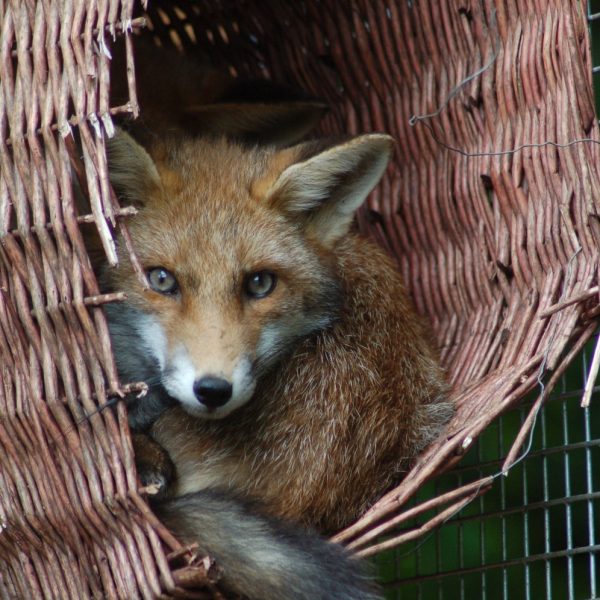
(74, 120)
(592, 376)
(417, 510)
(415, 533)
(525, 430)
(572, 300)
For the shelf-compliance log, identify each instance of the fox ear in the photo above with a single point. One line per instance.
(280, 123)
(324, 188)
(131, 170)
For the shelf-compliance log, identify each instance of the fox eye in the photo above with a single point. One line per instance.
(260, 284)
(162, 281)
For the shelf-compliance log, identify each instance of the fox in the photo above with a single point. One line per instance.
(285, 362)
(213, 330)
(290, 381)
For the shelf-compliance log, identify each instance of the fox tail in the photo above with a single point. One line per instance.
(261, 557)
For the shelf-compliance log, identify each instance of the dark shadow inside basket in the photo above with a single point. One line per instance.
(483, 257)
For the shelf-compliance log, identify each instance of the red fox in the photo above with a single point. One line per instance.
(300, 376)
(290, 337)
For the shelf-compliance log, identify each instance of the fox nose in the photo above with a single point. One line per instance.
(212, 391)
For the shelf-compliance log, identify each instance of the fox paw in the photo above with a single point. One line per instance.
(154, 466)
(154, 483)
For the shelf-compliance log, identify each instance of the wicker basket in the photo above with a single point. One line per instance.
(490, 207)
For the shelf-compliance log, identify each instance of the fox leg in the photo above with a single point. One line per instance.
(154, 466)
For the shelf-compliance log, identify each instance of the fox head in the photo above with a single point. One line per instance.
(239, 247)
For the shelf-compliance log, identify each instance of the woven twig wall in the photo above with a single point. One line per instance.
(68, 528)
(490, 207)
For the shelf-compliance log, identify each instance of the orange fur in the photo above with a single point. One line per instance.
(333, 424)
(339, 422)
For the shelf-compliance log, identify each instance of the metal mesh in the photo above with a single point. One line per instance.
(536, 533)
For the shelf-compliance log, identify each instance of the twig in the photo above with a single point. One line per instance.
(74, 120)
(569, 301)
(181, 552)
(419, 509)
(415, 533)
(592, 375)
